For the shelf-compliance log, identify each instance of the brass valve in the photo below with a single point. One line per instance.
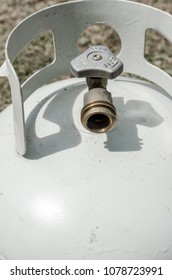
(98, 65)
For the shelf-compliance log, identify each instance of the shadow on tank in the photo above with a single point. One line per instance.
(66, 136)
(124, 137)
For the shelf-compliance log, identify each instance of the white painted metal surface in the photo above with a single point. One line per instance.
(75, 194)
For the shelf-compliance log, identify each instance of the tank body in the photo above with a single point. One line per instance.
(82, 195)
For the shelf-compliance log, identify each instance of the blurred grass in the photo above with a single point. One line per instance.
(40, 52)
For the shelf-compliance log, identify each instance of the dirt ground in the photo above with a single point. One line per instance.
(157, 49)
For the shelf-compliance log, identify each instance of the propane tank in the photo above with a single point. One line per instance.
(90, 174)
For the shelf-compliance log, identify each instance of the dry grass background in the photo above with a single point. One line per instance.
(39, 53)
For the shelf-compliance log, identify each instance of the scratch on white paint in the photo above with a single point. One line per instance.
(132, 21)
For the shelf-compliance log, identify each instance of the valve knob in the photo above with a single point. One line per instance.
(97, 61)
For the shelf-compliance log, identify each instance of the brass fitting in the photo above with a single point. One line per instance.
(98, 114)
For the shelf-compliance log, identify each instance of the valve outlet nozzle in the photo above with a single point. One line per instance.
(98, 114)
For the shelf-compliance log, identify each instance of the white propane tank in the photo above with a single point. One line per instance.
(66, 192)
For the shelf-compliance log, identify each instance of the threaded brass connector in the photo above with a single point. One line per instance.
(98, 114)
